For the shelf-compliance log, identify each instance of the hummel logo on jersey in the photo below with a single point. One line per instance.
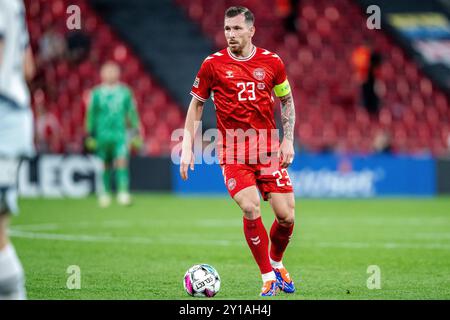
(229, 74)
(267, 52)
(255, 240)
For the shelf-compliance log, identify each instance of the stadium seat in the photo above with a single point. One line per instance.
(65, 87)
(321, 72)
(328, 101)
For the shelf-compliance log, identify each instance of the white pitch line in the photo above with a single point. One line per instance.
(37, 227)
(382, 245)
(432, 221)
(209, 242)
(433, 235)
(125, 224)
(61, 237)
(112, 239)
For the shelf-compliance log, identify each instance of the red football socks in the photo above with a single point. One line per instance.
(279, 237)
(258, 241)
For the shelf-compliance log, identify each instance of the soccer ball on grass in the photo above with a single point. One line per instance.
(201, 280)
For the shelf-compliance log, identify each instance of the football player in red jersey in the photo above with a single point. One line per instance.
(240, 80)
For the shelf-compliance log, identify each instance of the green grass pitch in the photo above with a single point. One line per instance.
(143, 251)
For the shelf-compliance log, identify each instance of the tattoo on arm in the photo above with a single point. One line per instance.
(288, 116)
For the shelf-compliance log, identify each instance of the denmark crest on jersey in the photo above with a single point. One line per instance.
(259, 74)
(231, 184)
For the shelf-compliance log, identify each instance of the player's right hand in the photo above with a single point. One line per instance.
(186, 162)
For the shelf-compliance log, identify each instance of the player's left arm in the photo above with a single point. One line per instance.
(134, 121)
(132, 114)
(282, 90)
(288, 121)
(286, 152)
(29, 66)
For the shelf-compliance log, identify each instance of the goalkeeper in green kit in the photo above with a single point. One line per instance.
(112, 123)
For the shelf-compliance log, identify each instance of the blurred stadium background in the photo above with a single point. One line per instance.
(344, 148)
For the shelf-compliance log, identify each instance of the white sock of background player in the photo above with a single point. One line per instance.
(12, 279)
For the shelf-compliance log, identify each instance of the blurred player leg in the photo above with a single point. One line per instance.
(283, 205)
(123, 182)
(256, 236)
(12, 277)
(103, 152)
(105, 195)
(122, 173)
(16, 133)
(16, 138)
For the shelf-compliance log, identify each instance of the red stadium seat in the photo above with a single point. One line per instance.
(326, 101)
(67, 87)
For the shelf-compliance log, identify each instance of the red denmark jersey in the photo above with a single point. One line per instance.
(241, 89)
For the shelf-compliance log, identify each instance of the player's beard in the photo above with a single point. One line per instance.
(237, 49)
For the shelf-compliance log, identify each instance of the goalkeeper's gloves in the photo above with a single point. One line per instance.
(136, 139)
(136, 142)
(91, 143)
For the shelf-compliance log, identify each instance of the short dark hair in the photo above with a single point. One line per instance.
(235, 11)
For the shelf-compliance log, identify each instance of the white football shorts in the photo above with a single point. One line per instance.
(16, 141)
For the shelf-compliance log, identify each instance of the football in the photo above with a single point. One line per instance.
(201, 280)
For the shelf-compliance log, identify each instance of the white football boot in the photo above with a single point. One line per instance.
(104, 200)
(124, 199)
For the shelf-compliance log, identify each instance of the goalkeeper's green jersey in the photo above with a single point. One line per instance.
(111, 111)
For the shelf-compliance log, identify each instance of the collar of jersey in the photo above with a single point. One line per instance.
(242, 59)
